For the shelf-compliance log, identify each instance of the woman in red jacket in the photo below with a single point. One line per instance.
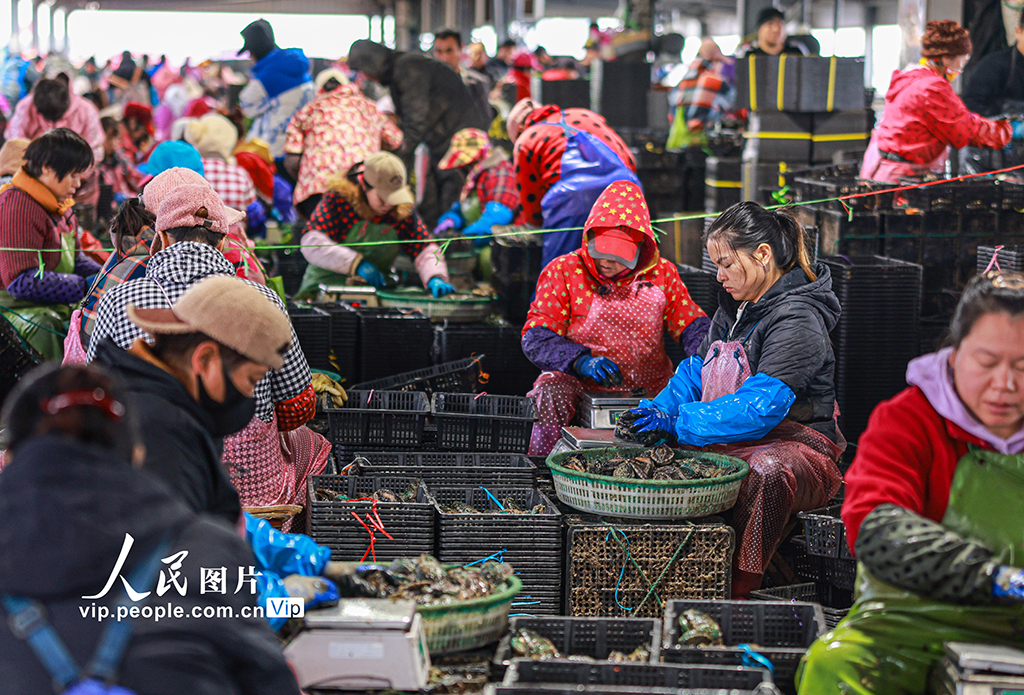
(933, 508)
(923, 116)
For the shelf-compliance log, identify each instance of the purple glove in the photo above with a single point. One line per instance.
(445, 226)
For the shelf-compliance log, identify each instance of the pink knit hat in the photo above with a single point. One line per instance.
(157, 188)
(192, 205)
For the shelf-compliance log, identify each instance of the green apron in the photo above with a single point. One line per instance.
(891, 639)
(382, 256)
(43, 326)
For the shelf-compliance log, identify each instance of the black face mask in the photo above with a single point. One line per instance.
(231, 416)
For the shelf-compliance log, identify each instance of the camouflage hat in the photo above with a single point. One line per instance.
(469, 146)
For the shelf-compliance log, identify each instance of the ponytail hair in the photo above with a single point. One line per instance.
(747, 225)
(131, 219)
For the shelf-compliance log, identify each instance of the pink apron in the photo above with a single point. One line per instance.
(269, 467)
(792, 469)
(626, 325)
(876, 168)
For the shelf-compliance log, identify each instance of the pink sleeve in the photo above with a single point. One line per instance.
(319, 250)
(16, 127)
(295, 138)
(390, 134)
(430, 263)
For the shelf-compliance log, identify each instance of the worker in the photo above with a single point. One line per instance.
(74, 438)
(702, 97)
(371, 203)
(564, 159)
(432, 104)
(771, 39)
(489, 195)
(601, 313)
(279, 86)
(923, 116)
(933, 509)
(762, 385)
(43, 269)
(996, 83)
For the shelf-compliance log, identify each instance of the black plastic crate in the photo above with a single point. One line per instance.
(592, 637)
(446, 469)
(379, 418)
(1010, 258)
(291, 266)
(516, 261)
(839, 233)
(531, 543)
(839, 572)
(500, 348)
(332, 523)
(392, 341)
(344, 340)
(702, 285)
(569, 689)
(462, 376)
(17, 357)
(781, 630)
(313, 329)
(825, 532)
(483, 423)
(877, 335)
(597, 585)
(835, 603)
(636, 675)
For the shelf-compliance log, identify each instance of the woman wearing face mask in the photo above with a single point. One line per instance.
(762, 384)
(369, 204)
(600, 314)
(923, 116)
(933, 508)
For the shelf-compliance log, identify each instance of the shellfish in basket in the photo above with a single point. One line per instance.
(698, 629)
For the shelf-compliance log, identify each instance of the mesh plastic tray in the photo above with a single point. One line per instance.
(411, 524)
(467, 625)
(17, 358)
(483, 423)
(447, 469)
(592, 637)
(826, 533)
(461, 376)
(601, 580)
(646, 499)
(392, 341)
(379, 418)
(782, 632)
(835, 602)
(652, 675)
(461, 308)
(313, 329)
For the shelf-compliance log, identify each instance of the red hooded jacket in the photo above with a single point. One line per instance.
(568, 285)
(923, 115)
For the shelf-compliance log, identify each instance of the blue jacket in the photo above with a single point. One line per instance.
(282, 69)
(786, 338)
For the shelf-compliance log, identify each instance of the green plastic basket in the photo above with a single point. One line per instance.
(465, 308)
(466, 625)
(646, 499)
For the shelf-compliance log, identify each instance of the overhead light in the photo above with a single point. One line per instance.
(93, 5)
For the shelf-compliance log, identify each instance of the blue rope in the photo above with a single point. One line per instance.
(499, 556)
(493, 498)
(752, 659)
(622, 572)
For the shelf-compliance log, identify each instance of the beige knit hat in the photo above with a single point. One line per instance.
(228, 310)
(214, 136)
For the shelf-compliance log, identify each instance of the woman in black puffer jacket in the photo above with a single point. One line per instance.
(761, 387)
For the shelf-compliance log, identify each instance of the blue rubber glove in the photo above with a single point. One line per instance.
(493, 214)
(1008, 583)
(653, 419)
(454, 215)
(256, 220)
(439, 287)
(599, 369)
(283, 208)
(368, 271)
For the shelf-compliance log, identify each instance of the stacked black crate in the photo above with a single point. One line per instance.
(722, 183)
(663, 178)
(803, 110)
(516, 260)
(877, 334)
(510, 372)
(849, 227)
